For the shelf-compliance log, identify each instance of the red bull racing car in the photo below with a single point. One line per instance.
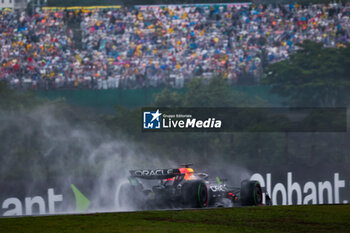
(183, 188)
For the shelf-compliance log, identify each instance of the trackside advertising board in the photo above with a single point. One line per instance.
(285, 187)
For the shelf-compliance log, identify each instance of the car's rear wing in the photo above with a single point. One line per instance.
(155, 174)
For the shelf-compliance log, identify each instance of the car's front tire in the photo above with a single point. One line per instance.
(251, 192)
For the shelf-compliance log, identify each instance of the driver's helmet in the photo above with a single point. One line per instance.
(188, 173)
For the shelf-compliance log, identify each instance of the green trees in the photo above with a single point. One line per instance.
(198, 93)
(313, 77)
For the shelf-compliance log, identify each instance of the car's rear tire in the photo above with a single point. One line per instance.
(195, 194)
(251, 192)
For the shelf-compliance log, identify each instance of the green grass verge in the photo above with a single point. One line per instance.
(325, 218)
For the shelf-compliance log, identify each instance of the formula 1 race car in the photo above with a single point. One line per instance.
(183, 188)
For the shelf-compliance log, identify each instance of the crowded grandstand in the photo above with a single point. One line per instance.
(158, 46)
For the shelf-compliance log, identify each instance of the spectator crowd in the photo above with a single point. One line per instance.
(159, 46)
